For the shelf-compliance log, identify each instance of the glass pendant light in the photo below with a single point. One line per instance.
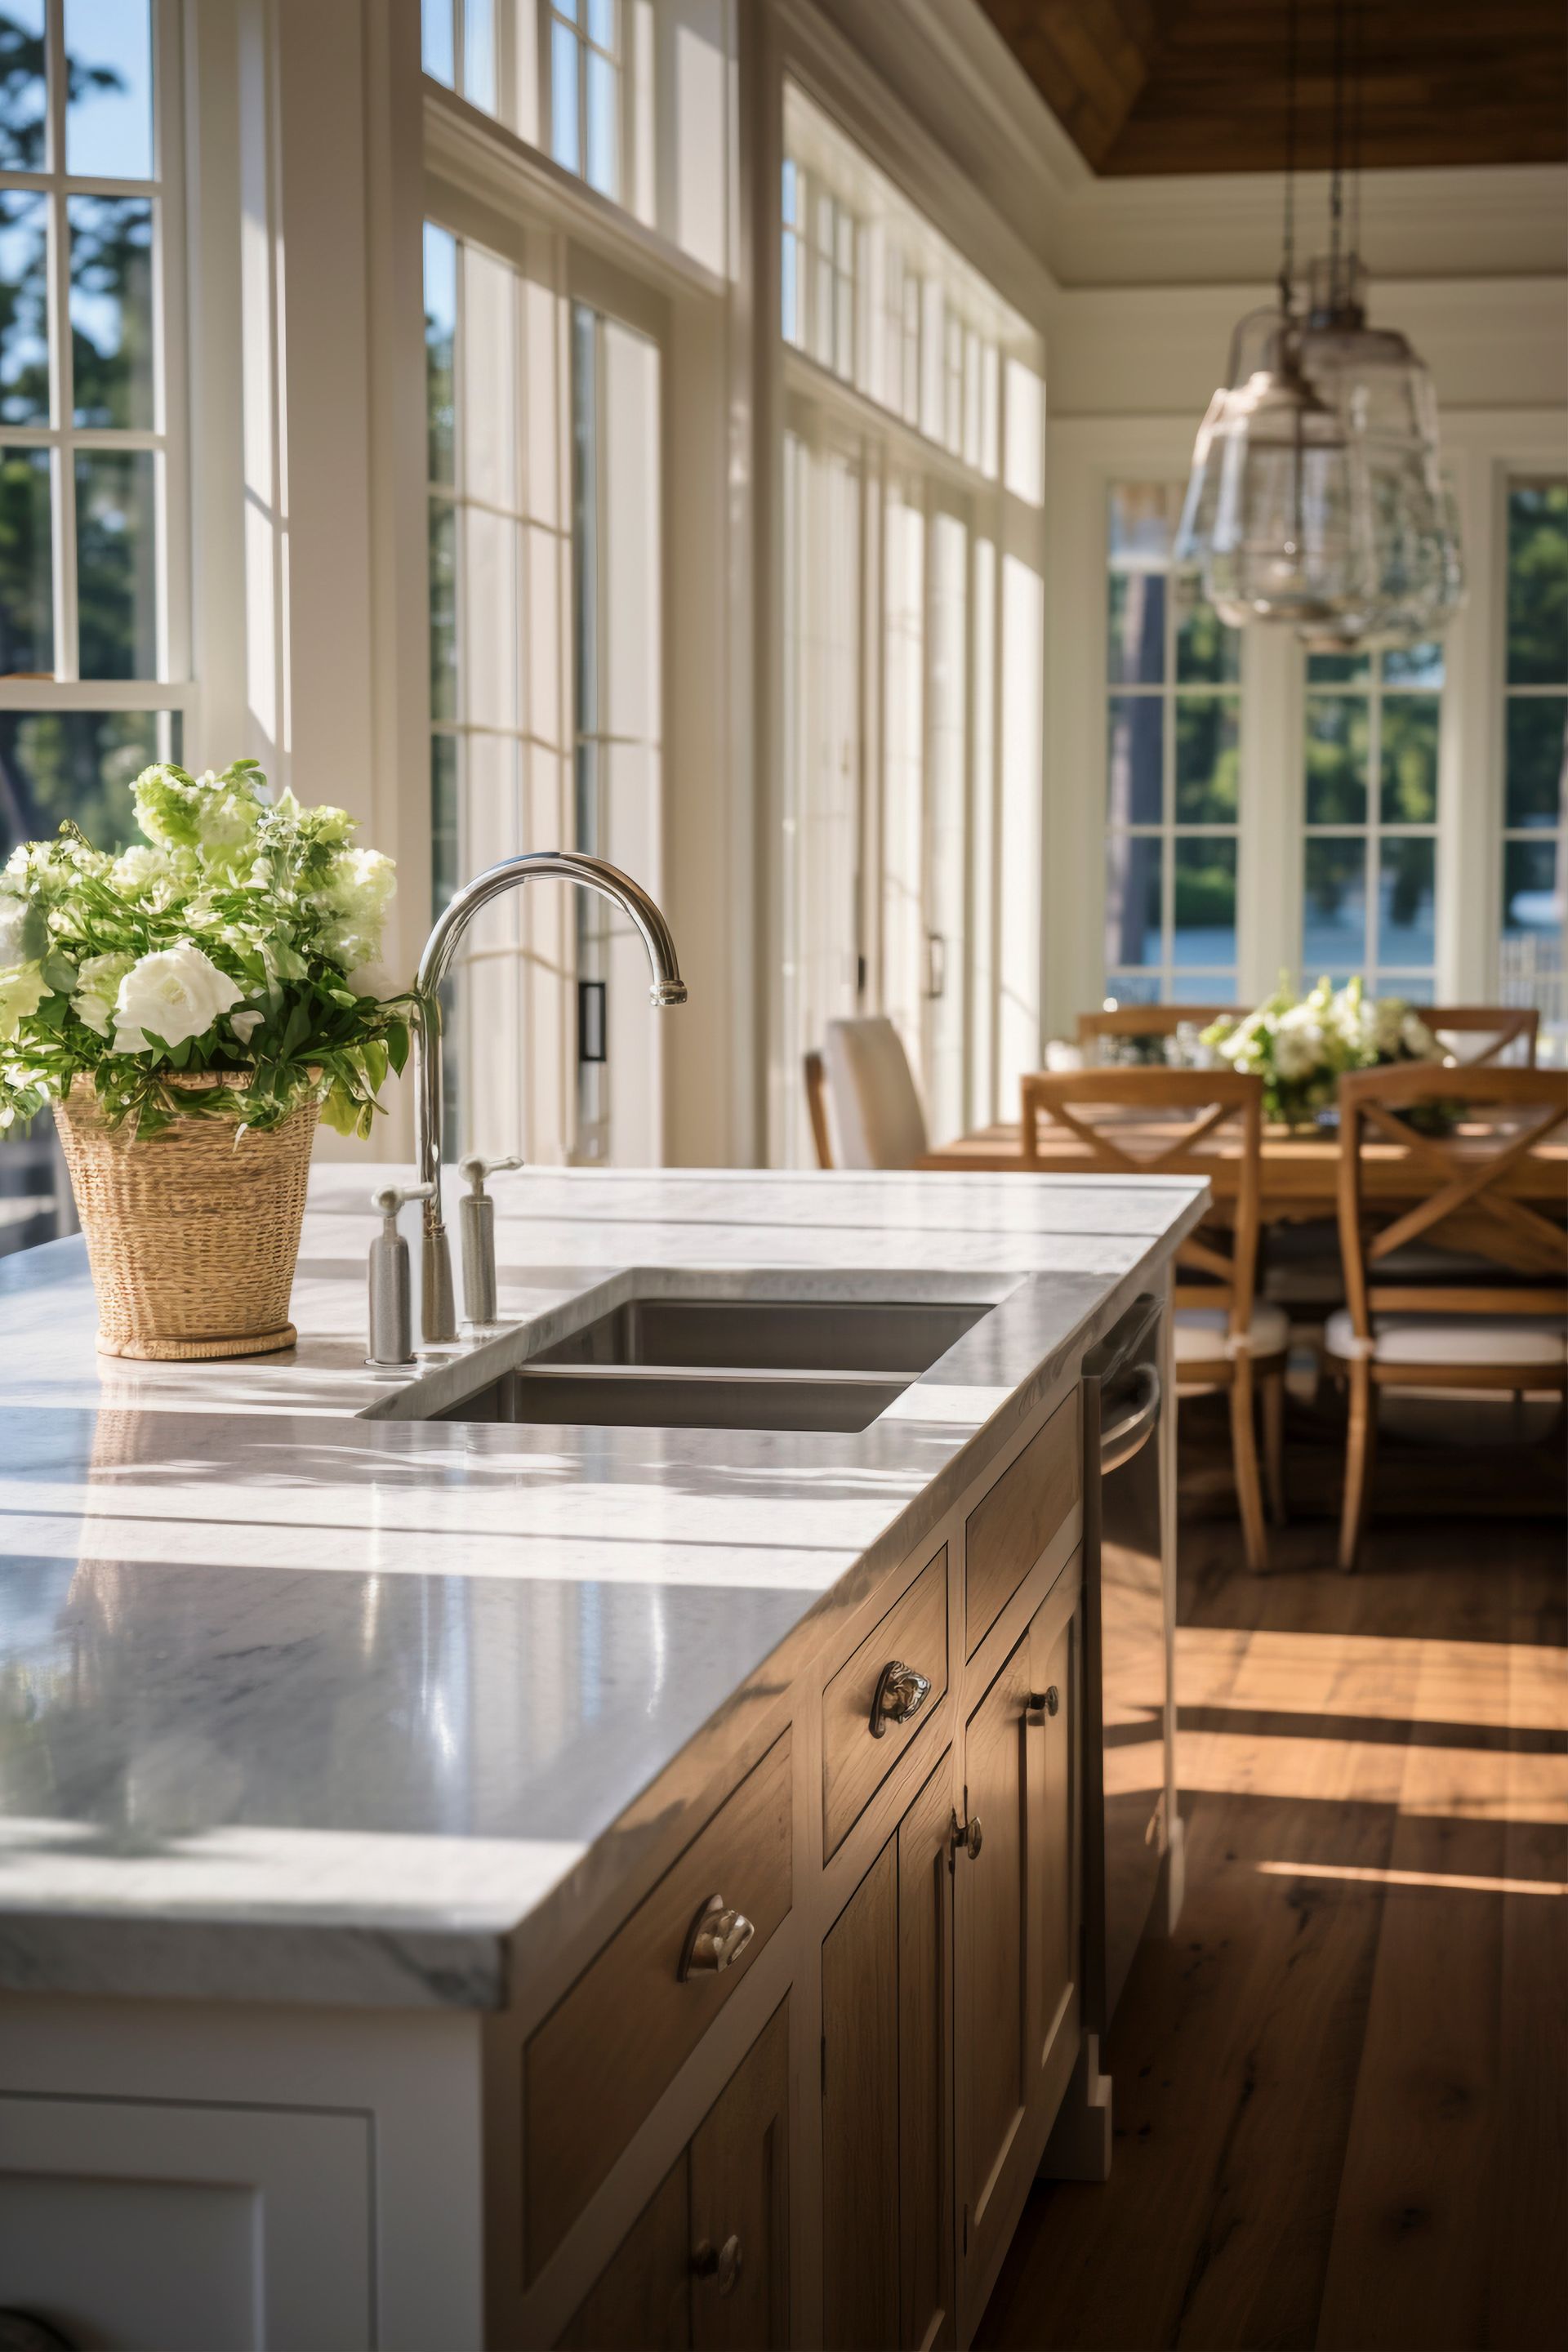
(1316, 495)
(1290, 539)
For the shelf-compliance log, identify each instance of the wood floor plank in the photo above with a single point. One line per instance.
(1341, 2090)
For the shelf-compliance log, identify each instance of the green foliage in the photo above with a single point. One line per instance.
(255, 917)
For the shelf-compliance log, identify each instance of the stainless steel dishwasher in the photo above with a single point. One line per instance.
(1128, 1716)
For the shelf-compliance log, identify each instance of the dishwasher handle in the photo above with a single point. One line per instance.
(1127, 1435)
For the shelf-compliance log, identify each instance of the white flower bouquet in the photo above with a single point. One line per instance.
(1301, 1048)
(237, 940)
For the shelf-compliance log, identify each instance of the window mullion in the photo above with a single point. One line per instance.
(63, 404)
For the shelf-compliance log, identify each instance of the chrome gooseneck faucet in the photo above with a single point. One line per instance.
(437, 1313)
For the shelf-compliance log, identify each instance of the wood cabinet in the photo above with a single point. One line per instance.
(887, 1992)
(602, 2055)
(1015, 1913)
(706, 2264)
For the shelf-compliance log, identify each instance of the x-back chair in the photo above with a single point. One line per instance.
(1224, 1337)
(1453, 1192)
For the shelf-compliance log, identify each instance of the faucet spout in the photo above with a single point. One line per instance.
(437, 1310)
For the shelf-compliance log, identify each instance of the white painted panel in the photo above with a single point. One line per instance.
(903, 760)
(1018, 1005)
(946, 829)
(170, 2266)
(274, 2207)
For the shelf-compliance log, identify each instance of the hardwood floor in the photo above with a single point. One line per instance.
(1341, 2089)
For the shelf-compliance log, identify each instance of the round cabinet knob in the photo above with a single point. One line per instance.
(972, 1837)
(899, 1694)
(715, 1940)
(723, 2267)
(1044, 1703)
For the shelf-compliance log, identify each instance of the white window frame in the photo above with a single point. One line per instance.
(1373, 829)
(1481, 448)
(958, 469)
(172, 689)
(1170, 692)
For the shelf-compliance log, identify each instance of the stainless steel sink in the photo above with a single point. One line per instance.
(630, 1396)
(692, 1362)
(900, 1337)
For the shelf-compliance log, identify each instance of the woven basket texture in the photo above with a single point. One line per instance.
(192, 1237)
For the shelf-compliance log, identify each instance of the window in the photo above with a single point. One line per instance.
(1369, 863)
(872, 294)
(458, 44)
(585, 91)
(545, 698)
(92, 638)
(911, 644)
(1174, 720)
(1535, 755)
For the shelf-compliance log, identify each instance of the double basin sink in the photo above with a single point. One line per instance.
(727, 1363)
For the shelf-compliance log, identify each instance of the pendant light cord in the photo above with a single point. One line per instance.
(1288, 253)
(1336, 172)
(1358, 87)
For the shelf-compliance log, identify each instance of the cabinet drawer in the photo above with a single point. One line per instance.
(855, 1762)
(612, 2044)
(1011, 1527)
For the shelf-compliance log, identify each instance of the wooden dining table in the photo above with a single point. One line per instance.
(1299, 1176)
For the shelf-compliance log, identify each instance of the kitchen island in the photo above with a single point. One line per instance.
(451, 1889)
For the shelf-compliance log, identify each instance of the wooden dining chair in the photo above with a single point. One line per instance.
(1224, 1336)
(1116, 1020)
(1499, 1031)
(1510, 1334)
(816, 1106)
(878, 1120)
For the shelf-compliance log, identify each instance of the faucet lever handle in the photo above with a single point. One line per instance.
(475, 1169)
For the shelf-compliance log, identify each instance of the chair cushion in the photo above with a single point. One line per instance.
(1454, 1339)
(877, 1121)
(1201, 1332)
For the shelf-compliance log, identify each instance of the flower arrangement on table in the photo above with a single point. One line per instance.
(190, 1007)
(1301, 1047)
(240, 939)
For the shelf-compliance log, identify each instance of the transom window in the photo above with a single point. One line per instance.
(1173, 672)
(585, 91)
(1370, 865)
(92, 624)
(1535, 752)
(873, 293)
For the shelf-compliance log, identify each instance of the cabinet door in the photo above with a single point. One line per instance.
(995, 2008)
(925, 2067)
(739, 2226)
(860, 2114)
(1054, 1782)
(887, 2106)
(642, 2299)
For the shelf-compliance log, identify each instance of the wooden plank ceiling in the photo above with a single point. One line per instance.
(1171, 86)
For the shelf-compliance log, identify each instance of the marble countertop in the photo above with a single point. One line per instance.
(302, 1698)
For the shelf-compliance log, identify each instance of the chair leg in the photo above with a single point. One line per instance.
(1359, 1444)
(1274, 1441)
(1244, 1446)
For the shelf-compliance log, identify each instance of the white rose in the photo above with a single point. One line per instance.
(23, 989)
(23, 935)
(139, 871)
(97, 985)
(177, 994)
(1295, 1052)
(358, 891)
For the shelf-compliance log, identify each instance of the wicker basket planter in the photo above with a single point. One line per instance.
(191, 1236)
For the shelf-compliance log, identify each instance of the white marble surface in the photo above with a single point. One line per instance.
(296, 1703)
